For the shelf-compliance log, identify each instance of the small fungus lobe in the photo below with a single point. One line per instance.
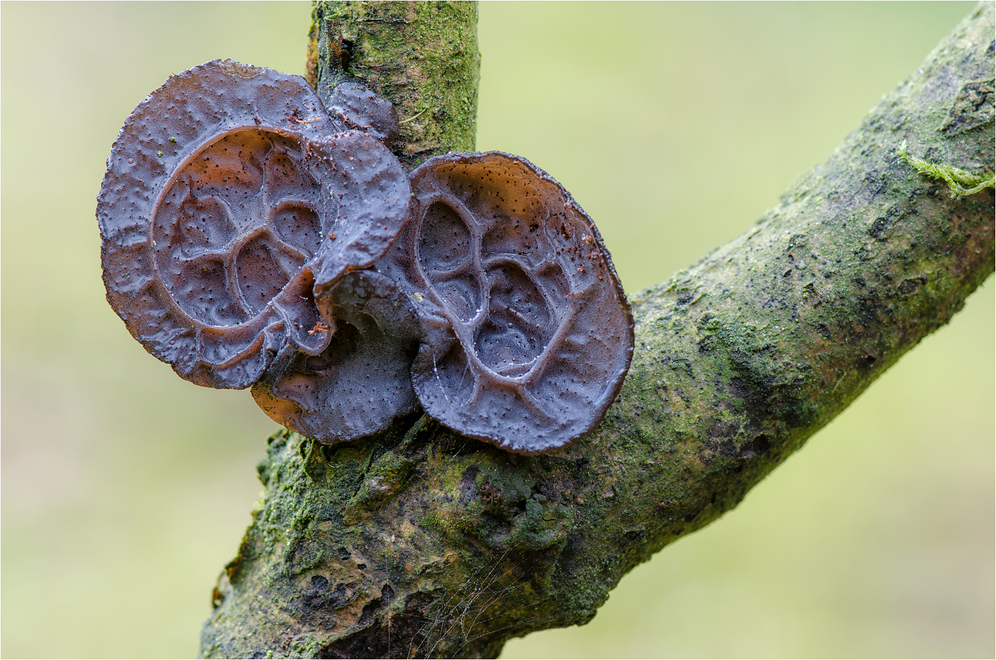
(360, 383)
(360, 108)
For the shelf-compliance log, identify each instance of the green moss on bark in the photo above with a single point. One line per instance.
(422, 56)
(423, 543)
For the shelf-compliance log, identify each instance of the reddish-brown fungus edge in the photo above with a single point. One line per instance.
(189, 115)
(528, 334)
(261, 202)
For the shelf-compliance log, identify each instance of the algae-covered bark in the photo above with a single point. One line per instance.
(420, 542)
(421, 55)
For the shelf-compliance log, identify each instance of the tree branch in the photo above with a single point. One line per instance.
(421, 56)
(421, 542)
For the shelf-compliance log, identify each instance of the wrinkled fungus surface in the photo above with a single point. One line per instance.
(246, 235)
(360, 382)
(527, 331)
(231, 197)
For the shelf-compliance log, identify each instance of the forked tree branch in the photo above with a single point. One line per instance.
(420, 542)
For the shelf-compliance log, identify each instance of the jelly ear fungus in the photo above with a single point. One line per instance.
(361, 382)
(527, 334)
(246, 234)
(230, 195)
(358, 107)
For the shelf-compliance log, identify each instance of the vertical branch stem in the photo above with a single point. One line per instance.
(421, 56)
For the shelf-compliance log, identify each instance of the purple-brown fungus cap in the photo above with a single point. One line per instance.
(359, 107)
(230, 196)
(527, 334)
(246, 235)
(361, 382)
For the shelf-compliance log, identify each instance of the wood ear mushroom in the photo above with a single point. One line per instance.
(527, 334)
(222, 195)
(247, 241)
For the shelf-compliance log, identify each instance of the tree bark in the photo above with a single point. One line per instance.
(423, 57)
(419, 542)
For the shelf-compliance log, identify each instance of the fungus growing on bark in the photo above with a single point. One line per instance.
(360, 383)
(231, 199)
(527, 331)
(359, 107)
(240, 221)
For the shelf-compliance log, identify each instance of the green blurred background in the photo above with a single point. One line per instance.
(125, 489)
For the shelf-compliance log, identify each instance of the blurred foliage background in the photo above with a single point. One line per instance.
(125, 490)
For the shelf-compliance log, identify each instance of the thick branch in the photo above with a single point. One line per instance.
(420, 542)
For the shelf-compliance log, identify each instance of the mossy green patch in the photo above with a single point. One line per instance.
(421, 56)
(959, 181)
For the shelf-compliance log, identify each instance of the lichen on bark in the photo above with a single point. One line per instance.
(421, 542)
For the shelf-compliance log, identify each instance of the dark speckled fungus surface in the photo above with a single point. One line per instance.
(241, 224)
(360, 382)
(527, 332)
(228, 192)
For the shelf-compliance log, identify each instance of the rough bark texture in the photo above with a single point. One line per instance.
(421, 55)
(419, 542)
